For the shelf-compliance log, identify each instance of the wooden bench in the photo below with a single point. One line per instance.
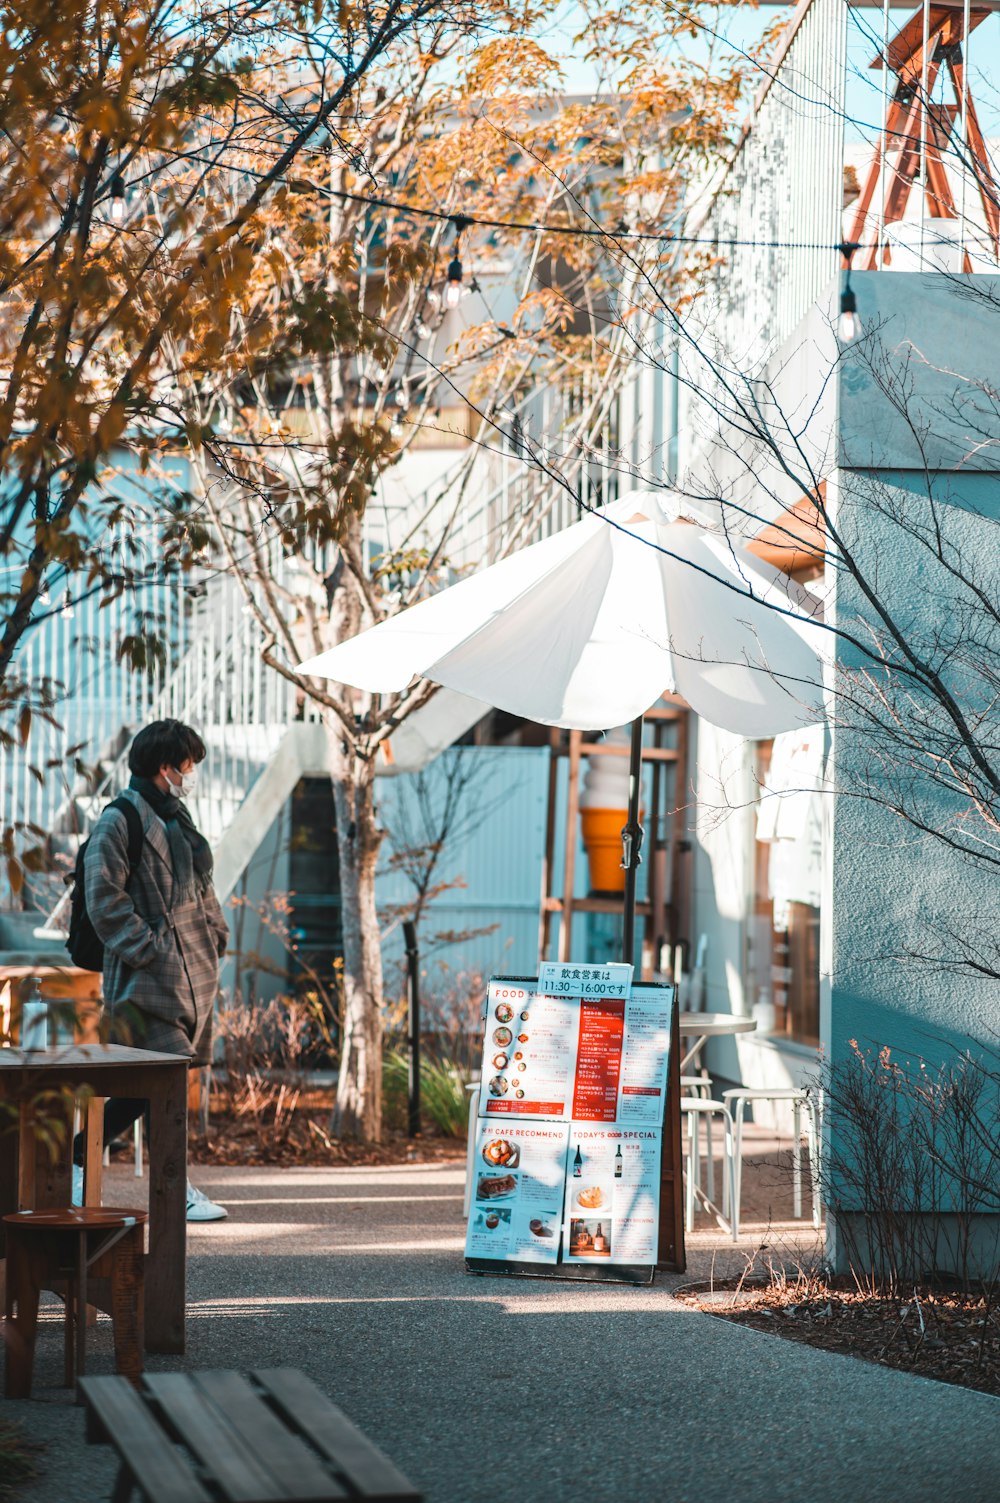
(220, 1437)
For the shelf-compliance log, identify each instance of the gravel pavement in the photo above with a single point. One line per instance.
(482, 1388)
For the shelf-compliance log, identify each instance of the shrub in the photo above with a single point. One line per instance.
(913, 1166)
(444, 1101)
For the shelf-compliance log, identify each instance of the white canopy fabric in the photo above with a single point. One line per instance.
(588, 628)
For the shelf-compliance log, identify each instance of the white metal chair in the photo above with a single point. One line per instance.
(805, 1103)
(697, 1109)
(699, 1085)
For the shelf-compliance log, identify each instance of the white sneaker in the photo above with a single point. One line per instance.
(200, 1208)
(76, 1192)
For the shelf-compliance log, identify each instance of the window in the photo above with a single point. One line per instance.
(783, 949)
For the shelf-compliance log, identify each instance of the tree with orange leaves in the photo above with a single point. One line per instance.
(458, 245)
(121, 119)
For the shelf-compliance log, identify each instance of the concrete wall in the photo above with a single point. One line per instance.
(266, 874)
(914, 840)
(911, 417)
(902, 895)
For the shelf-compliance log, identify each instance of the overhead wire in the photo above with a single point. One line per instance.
(542, 227)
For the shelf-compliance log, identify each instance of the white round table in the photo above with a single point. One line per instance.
(702, 1026)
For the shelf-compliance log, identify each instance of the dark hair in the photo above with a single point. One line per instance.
(164, 743)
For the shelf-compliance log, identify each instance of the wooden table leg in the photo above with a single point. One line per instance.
(21, 1308)
(93, 1164)
(165, 1261)
(45, 1154)
(10, 1151)
(127, 1271)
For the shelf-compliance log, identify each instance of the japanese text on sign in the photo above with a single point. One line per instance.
(560, 980)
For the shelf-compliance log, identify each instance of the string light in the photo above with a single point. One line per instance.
(539, 227)
(453, 289)
(848, 324)
(119, 204)
(453, 286)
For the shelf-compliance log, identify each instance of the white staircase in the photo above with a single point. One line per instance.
(261, 737)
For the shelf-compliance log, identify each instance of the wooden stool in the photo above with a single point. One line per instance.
(89, 1254)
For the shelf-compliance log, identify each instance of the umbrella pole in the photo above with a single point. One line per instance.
(632, 839)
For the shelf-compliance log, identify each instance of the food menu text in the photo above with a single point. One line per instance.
(587, 1059)
(518, 1174)
(567, 1148)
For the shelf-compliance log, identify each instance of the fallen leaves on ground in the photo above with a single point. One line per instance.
(306, 1140)
(948, 1335)
(18, 1459)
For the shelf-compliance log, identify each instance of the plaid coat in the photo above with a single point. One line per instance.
(162, 946)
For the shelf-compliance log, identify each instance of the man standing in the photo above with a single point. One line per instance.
(159, 921)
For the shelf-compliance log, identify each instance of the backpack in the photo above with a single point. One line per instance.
(85, 948)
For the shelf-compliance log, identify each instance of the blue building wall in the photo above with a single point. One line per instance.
(496, 856)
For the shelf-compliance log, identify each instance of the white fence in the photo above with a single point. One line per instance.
(775, 217)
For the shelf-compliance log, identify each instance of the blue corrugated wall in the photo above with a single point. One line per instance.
(497, 855)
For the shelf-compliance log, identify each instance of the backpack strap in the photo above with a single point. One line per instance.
(135, 832)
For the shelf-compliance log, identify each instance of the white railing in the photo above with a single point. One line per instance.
(215, 678)
(775, 215)
(75, 656)
(528, 477)
(239, 706)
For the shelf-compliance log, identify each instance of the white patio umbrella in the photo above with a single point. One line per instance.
(588, 628)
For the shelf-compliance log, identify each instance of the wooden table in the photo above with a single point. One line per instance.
(31, 1180)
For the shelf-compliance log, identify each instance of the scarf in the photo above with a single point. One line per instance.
(190, 852)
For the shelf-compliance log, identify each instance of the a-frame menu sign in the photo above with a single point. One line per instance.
(569, 1167)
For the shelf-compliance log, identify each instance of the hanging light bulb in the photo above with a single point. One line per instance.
(422, 329)
(119, 203)
(848, 324)
(453, 286)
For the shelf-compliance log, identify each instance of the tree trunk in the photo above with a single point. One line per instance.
(358, 1108)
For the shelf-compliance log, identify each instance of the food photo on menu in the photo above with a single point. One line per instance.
(489, 1220)
(589, 1239)
(520, 1170)
(494, 1187)
(529, 1052)
(611, 1202)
